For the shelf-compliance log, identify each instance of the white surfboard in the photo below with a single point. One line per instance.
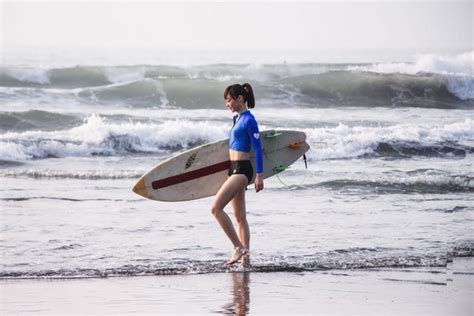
(200, 172)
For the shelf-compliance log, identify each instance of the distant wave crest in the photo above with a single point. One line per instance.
(431, 82)
(457, 69)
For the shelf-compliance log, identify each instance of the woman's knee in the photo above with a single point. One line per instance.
(215, 210)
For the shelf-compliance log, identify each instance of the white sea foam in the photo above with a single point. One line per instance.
(72, 174)
(99, 137)
(459, 69)
(11, 151)
(350, 142)
(222, 78)
(125, 74)
(461, 64)
(462, 86)
(27, 74)
(422, 178)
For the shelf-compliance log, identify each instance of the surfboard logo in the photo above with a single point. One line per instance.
(190, 160)
(256, 135)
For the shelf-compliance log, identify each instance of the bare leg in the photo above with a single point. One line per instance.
(240, 214)
(229, 189)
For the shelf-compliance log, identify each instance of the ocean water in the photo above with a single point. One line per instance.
(389, 183)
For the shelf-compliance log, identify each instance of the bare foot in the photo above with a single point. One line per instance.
(245, 260)
(238, 253)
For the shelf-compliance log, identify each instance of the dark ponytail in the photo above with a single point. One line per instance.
(244, 90)
(249, 98)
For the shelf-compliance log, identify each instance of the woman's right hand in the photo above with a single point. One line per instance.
(258, 182)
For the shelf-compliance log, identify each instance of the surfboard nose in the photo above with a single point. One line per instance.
(140, 188)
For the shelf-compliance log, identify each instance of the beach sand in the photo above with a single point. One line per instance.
(396, 291)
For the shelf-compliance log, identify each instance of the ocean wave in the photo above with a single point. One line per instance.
(404, 150)
(88, 76)
(68, 199)
(464, 248)
(24, 77)
(307, 85)
(40, 173)
(98, 136)
(457, 69)
(36, 120)
(419, 181)
(141, 93)
(373, 89)
(319, 262)
(402, 184)
(73, 77)
(397, 141)
(461, 64)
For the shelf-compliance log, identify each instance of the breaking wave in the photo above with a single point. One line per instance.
(98, 136)
(397, 141)
(457, 69)
(340, 259)
(430, 82)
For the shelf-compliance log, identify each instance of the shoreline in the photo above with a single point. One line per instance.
(392, 291)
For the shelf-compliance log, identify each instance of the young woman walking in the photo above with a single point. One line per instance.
(244, 134)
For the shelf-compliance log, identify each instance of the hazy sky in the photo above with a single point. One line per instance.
(323, 25)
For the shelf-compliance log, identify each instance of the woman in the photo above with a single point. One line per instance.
(243, 135)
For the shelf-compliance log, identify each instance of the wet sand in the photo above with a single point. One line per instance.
(411, 291)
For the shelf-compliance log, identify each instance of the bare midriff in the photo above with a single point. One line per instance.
(235, 155)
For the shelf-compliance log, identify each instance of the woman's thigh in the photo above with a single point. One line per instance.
(231, 187)
(238, 205)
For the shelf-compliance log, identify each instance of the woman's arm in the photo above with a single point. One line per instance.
(254, 135)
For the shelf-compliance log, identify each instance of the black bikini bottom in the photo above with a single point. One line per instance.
(241, 167)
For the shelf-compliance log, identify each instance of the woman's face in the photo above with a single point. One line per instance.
(234, 105)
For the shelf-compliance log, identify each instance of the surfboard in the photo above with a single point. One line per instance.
(201, 171)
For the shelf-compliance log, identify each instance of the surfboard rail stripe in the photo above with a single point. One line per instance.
(191, 175)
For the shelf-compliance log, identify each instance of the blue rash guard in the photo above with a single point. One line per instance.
(244, 132)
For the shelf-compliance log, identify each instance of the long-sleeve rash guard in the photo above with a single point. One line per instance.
(244, 132)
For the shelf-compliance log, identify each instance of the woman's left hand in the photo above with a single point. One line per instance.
(258, 182)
